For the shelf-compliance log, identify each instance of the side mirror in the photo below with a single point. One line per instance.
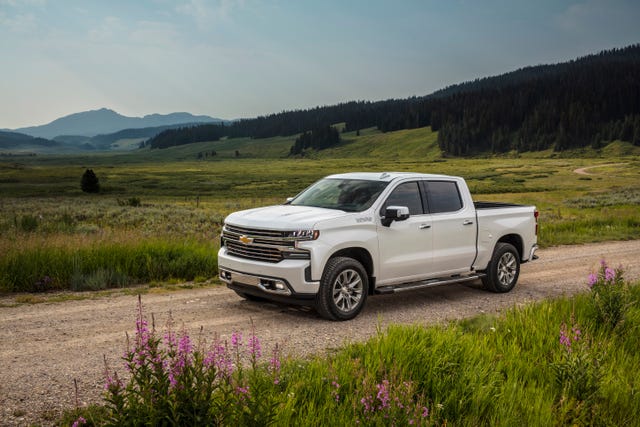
(394, 213)
(289, 199)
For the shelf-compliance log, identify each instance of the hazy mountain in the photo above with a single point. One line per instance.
(105, 121)
(13, 140)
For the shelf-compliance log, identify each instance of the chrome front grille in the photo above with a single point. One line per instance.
(260, 245)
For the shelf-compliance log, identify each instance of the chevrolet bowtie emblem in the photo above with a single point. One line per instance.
(246, 239)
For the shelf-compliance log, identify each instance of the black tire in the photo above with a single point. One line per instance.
(343, 289)
(248, 297)
(503, 269)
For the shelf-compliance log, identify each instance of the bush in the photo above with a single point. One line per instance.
(29, 223)
(132, 201)
(89, 182)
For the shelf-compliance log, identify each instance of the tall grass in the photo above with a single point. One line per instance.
(551, 363)
(105, 265)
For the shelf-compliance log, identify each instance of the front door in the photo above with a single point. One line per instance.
(405, 247)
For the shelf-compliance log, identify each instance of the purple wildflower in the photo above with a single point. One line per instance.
(367, 402)
(112, 382)
(185, 346)
(609, 275)
(243, 393)
(425, 412)
(383, 394)
(80, 421)
(576, 333)
(335, 393)
(236, 340)
(254, 347)
(568, 338)
(565, 340)
(219, 358)
(593, 279)
(275, 364)
(170, 339)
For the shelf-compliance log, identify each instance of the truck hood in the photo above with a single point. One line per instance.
(283, 217)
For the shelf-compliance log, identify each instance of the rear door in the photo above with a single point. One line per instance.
(453, 227)
(405, 247)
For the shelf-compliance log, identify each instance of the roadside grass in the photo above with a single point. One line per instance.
(154, 205)
(549, 363)
(103, 266)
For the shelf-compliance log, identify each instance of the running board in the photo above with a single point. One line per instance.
(426, 284)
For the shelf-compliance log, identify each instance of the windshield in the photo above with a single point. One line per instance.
(351, 195)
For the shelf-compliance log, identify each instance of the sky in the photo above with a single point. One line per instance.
(244, 58)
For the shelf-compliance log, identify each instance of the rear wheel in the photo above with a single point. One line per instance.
(503, 269)
(343, 289)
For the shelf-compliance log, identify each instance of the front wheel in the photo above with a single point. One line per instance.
(343, 289)
(503, 269)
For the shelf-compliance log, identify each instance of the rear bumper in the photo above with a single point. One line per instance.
(287, 281)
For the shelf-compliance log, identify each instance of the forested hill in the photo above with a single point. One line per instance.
(587, 101)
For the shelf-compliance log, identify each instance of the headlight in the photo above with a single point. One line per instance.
(303, 234)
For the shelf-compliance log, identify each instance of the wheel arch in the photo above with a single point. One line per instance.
(363, 257)
(515, 240)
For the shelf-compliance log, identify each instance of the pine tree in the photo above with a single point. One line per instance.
(90, 182)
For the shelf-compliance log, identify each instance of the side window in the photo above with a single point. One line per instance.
(443, 196)
(406, 194)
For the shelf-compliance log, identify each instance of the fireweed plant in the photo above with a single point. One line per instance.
(176, 381)
(577, 375)
(610, 298)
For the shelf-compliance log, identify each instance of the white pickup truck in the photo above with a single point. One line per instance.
(357, 234)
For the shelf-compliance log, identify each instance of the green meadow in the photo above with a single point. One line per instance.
(159, 212)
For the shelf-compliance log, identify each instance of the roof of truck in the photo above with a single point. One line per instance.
(385, 176)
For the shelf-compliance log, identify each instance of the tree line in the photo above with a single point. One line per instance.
(585, 102)
(317, 139)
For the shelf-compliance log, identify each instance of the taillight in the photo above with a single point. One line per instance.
(536, 214)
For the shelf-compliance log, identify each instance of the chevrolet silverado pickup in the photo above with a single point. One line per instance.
(352, 235)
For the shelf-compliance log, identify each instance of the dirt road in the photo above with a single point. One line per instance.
(46, 346)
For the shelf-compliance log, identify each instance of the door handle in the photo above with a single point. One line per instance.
(424, 226)
(467, 222)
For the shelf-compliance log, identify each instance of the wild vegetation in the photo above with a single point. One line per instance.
(564, 362)
(157, 219)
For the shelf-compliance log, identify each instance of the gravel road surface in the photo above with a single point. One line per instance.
(46, 346)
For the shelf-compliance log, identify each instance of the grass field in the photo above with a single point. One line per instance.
(168, 202)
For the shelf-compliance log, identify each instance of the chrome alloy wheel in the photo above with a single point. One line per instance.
(347, 290)
(507, 268)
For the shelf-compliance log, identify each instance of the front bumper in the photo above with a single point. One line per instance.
(288, 280)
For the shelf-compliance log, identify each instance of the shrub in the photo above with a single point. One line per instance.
(89, 182)
(28, 223)
(610, 298)
(132, 201)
